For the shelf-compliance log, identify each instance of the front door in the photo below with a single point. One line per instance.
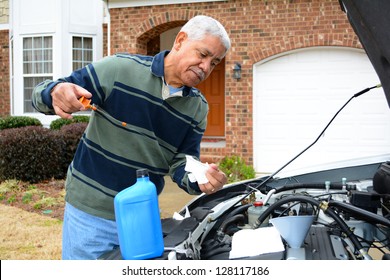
(213, 88)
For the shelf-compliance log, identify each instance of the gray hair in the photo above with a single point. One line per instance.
(200, 26)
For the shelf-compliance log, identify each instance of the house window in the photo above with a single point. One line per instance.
(82, 52)
(37, 65)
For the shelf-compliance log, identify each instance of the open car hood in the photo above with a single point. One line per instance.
(371, 22)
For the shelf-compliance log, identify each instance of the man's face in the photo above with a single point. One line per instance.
(196, 58)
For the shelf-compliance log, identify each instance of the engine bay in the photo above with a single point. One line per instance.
(343, 219)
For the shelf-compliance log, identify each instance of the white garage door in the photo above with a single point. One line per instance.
(297, 94)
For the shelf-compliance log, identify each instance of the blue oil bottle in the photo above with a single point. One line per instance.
(138, 220)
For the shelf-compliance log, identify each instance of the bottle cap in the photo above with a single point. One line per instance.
(258, 203)
(142, 173)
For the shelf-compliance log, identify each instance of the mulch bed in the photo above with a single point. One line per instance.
(44, 198)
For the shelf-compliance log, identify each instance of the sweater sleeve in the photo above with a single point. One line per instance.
(180, 177)
(87, 77)
(41, 97)
(190, 147)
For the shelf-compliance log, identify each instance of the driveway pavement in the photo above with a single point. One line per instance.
(172, 199)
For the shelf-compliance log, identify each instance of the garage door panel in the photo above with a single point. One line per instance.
(297, 94)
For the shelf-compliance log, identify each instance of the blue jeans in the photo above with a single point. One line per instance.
(86, 237)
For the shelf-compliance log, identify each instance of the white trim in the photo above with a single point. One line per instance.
(141, 3)
(217, 144)
(267, 59)
(46, 120)
(4, 26)
(11, 75)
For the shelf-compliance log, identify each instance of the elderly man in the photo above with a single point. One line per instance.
(147, 114)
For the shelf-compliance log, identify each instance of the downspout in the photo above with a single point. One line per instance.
(107, 19)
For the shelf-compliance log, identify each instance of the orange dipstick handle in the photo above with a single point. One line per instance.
(87, 103)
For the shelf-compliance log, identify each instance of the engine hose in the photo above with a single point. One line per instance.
(344, 227)
(282, 201)
(240, 209)
(370, 217)
(233, 219)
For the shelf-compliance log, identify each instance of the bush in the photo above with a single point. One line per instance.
(35, 154)
(30, 153)
(18, 121)
(236, 169)
(58, 123)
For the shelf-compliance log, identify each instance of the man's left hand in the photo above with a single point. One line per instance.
(217, 179)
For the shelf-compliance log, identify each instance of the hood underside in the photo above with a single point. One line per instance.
(370, 20)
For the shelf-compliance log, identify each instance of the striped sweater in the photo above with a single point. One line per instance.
(133, 127)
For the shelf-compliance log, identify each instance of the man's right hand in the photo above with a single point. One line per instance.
(66, 99)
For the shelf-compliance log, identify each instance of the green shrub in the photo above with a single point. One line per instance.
(236, 169)
(58, 123)
(18, 121)
(35, 154)
(31, 154)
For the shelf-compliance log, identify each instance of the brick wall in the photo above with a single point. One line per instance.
(4, 74)
(105, 42)
(258, 29)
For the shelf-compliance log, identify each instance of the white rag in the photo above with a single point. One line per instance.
(197, 170)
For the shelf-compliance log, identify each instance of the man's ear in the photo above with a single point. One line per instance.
(180, 38)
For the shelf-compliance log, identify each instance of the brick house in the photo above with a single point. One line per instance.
(298, 38)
